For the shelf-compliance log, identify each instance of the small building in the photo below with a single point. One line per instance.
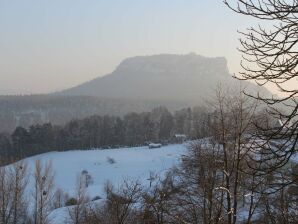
(154, 145)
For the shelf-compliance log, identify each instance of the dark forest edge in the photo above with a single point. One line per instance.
(133, 129)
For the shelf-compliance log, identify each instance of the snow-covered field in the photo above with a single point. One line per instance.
(129, 163)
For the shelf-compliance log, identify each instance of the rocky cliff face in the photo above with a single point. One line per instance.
(186, 78)
(138, 84)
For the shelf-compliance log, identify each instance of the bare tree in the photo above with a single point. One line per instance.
(43, 192)
(233, 129)
(159, 201)
(200, 175)
(13, 204)
(120, 201)
(59, 199)
(19, 182)
(77, 212)
(280, 207)
(216, 172)
(270, 57)
(5, 195)
(87, 178)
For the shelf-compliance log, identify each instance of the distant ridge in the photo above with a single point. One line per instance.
(138, 84)
(185, 78)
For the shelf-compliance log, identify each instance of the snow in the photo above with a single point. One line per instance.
(114, 165)
(59, 216)
(129, 163)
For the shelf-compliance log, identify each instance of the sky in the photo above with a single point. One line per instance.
(47, 46)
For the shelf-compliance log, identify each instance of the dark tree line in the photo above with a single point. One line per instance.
(29, 110)
(134, 129)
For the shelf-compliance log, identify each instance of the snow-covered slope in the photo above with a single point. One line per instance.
(114, 165)
(129, 163)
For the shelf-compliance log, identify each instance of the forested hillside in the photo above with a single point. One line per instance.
(133, 129)
(37, 109)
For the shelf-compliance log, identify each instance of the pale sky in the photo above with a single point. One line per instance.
(48, 45)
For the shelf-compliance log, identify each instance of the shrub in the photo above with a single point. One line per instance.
(111, 160)
(71, 201)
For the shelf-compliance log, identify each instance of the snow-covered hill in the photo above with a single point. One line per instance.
(114, 165)
(132, 163)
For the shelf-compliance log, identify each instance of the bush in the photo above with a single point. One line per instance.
(71, 201)
(111, 160)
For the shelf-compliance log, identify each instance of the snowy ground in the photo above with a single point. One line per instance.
(130, 163)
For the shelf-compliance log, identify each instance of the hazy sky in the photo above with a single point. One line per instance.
(47, 45)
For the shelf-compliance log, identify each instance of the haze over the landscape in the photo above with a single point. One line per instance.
(52, 45)
(146, 111)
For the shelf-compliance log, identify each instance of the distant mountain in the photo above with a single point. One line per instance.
(185, 78)
(138, 84)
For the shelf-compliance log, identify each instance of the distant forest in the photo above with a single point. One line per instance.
(133, 129)
(29, 110)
